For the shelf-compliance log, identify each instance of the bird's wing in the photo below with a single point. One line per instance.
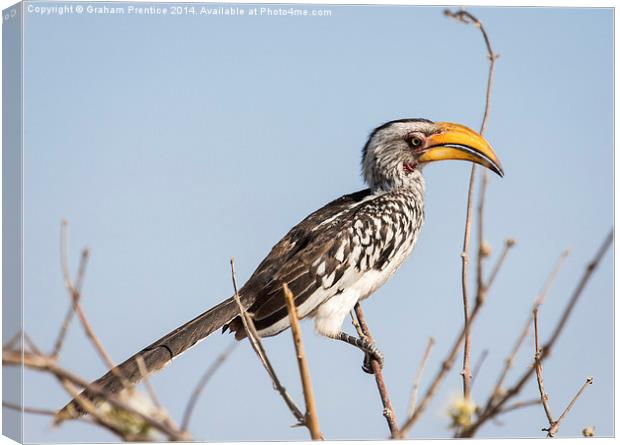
(311, 256)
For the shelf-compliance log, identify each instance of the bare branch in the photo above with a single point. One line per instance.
(31, 345)
(478, 366)
(446, 365)
(466, 371)
(467, 18)
(418, 376)
(206, 377)
(64, 266)
(540, 298)
(10, 344)
(482, 251)
(554, 425)
(356, 325)
(254, 338)
(519, 405)
(312, 421)
(508, 244)
(388, 411)
(497, 406)
(544, 397)
(25, 409)
(153, 396)
(46, 364)
(554, 429)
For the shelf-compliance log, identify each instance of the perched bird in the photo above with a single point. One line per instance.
(336, 257)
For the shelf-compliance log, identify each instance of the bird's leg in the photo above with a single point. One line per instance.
(370, 349)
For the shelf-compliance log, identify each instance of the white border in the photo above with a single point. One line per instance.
(544, 3)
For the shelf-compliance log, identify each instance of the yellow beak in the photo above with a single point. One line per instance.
(454, 141)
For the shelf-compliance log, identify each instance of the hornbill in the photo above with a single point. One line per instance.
(334, 258)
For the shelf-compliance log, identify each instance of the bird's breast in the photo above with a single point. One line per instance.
(383, 239)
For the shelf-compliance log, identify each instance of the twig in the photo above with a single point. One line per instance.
(13, 340)
(97, 417)
(312, 421)
(151, 391)
(540, 298)
(519, 405)
(446, 365)
(418, 376)
(257, 345)
(46, 364)
(31, 345)
(508, 244)
(466, 371)
(478, 366)
(544, 397)
(25, 409)
(75, 293)
(554, 425)
(189, 409)
(467, 18)
(497, 406)
(554, 428)
(482, 251)
(356, 325)
(388, 411)
(64, 255)
(88, 330)
(64, 266)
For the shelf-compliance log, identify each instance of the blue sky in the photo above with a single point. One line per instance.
(173, 143)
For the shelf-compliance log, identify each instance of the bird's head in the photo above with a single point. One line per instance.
(396, 151)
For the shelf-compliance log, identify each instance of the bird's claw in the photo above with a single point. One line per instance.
(373, 354)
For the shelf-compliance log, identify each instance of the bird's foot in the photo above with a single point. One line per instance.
(374, 354)
(370, 350)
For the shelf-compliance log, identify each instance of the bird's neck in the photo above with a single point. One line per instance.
(412, 184)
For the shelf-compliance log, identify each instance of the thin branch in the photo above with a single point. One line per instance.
(478, 366)
(98, 418)
(544, 397)
(468, 18)
(64, 266)
(206, 377)
(60, 338)
(254, 338)
(388, 411)
(466, 371)
(447, 363)
(418, 376)
(46, 364)
(88, 329)
(25, 409)
(312, 421)
(508, 244)
(482, 251)
(554, 425)
(554, 428)
(31, 345)
(497, 406)
(356, 325)
(147, 383)
(540, 298)
(75, 293)
(519, 405)
(64, 255)
(10, 344)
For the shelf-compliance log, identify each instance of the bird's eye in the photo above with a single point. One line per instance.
(415, 141)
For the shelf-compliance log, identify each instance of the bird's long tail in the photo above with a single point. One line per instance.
(155, 356)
